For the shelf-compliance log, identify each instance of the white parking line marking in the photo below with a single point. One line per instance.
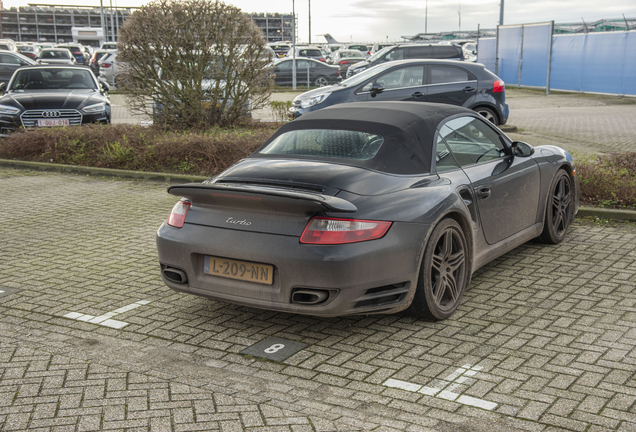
(447, 387)
(403, 385)
(105, 319)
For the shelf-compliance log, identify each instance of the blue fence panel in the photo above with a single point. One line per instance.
(597, 62)
(486, 52)
(508, 53)
(535, 54)
(629, 64)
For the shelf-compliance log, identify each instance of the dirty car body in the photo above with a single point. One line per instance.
(366, 208)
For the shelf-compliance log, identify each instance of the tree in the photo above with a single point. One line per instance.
(199, 62)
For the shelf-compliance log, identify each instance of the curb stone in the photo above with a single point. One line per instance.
(108, 172)
(601, 213)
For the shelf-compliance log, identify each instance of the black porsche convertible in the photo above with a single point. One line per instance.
(365, 208)
(44, 96)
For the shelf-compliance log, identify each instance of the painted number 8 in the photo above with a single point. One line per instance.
(274, 348)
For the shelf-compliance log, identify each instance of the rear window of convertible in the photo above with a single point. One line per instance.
(340, 144)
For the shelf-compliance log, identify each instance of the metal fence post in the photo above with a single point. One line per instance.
(497, 53)
(521, 54)
(547, 83)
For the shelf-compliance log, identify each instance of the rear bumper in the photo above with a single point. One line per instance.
(377, 276)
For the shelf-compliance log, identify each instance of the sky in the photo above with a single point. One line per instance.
(382, 20)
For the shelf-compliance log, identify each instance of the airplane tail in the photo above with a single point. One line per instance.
(330, 39)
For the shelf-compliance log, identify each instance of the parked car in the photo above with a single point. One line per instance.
(307, 52)
(42, 96)
(345, 58)
(443, 81)
(108, 67)
(9, 62)
(56, 56)
(406, 52)
(377, 47)
(44, 45)
(280, 48)
(308, 72)
(76, 50)
(363, 48)
(7, 45)
(88, 53)
(470, 51)
(98, 55)
(366, 208)
(30, 51)
(109, 46)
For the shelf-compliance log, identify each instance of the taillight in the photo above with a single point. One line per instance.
(338, 231)
(323, 60)
(178, 213)
(104, 65)
(498, 86)
(344, 62)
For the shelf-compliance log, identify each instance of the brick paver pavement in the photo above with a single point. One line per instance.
(544, 340)
(582, 124)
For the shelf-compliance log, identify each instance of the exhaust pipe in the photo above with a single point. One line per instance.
(309, 296)
(174, 275)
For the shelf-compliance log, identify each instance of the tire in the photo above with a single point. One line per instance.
(488, 114)
(559, 210)
(444, 273)
(321, 81)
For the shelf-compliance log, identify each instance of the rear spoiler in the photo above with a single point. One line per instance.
(330, 203)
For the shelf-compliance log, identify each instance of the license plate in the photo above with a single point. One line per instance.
(241, 270)
(56, 122)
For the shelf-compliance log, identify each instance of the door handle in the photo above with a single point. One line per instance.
(417, 94)
(469, 89)
(483, 192)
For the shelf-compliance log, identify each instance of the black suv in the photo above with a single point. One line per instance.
(407, 52)
(452, 82)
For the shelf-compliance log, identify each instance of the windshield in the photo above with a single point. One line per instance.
(341, 144)
(379, 54)
(365, 75)
(53, 78)
(57, 54)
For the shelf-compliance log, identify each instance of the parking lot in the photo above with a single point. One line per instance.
(92, 339)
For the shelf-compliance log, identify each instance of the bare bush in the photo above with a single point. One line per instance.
(201, 63)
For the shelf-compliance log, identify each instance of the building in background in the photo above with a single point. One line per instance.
(83, 24)
(62, 24)
(275, 26)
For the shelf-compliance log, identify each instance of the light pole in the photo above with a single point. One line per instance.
(501, 9)
(309, 22)
(293, 45)
(426, 18)
(112, 24)
(101, 16)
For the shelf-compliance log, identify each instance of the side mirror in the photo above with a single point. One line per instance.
(3, 87)
(105, 86)
(376, 88)
(522, 149)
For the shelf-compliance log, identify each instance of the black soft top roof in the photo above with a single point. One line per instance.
(408, 129)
